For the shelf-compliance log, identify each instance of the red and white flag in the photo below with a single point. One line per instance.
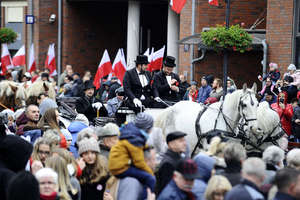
(104, 69)
(31, 63)
(19, 58)
(6, 62)
(177, 5)
(157, 59)
(50, 60)
(213, 2)
(119, 65)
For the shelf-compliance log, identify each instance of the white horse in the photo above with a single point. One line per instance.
(197, 119)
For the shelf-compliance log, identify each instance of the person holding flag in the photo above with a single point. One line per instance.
(137, 86)
(167, 83)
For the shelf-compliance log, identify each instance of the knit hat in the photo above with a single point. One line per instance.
(82, 118)
(109, 130)
(143, 121)
(292, 67)
(188, 169)
(274, 65)
(67, 134)
(88, 145)
(85, 133)
(46, 105)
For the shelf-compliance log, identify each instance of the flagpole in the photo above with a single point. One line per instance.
(226, 52)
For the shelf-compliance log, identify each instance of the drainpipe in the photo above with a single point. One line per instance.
(192, 46)
(59, 40)
(264, 61)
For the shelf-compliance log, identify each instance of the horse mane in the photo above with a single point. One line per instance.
(267, 118)
(165, 119)
(5, 88)
(39, 87)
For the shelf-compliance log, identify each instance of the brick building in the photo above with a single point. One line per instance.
(90, 26)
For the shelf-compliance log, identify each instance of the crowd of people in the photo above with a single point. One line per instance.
(42, 158)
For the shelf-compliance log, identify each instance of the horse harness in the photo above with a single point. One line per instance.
(241, 133)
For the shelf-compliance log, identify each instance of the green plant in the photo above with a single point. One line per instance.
(7, 35)
(234, 38)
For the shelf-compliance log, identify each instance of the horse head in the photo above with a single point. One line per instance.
(20, 97)
(247, 107)
(12, 95)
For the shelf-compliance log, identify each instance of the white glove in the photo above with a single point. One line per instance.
(158, 99)
(137, 102)
(97, 105)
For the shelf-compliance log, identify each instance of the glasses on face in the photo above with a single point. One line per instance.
(44, 152)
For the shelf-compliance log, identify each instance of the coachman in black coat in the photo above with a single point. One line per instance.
(84, 104)
(133, 87)
(160, 83)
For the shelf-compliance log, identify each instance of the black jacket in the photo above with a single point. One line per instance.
(166, 169)
(112, 90)
(233, 173)
(84, 106)
(160, 83)
(93, 191)
(295, 126)
(14, 155)
(133, 88)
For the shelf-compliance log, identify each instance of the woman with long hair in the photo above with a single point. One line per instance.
(66, 190)
(217, 187)
(41, 150)
(50, 120)
(95, 174)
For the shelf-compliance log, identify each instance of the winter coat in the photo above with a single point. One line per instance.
(166, 169)
(172, 192)
(216, 93)
(74, 128)
(93, 191)
(283, 196)
(14, 155)
(274, 75)
(190, 97)
(291, 91)
(205, 165)
(112, 90)
(295, 126)
(77, 88)
(129, 188)
(20, 122)
(285, 115)
(203, 93)
(296, 77)
(163, 88)
(246, 190)
(199, 189)
(233, 173)
(128, 151)
(84, 106)
(112, 106)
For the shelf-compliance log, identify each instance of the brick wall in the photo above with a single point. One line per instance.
(208, 16)
(279, 32)
(44, 32)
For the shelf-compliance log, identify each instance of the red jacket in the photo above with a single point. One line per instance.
(285, 115)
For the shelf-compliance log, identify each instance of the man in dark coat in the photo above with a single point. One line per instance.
(88, 104)
(137, 85)
(168, 83)
(176, 146)
(253, 173)
(113, 86)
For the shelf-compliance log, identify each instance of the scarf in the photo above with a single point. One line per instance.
(49, 197)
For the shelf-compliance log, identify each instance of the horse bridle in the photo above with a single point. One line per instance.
(242, 105)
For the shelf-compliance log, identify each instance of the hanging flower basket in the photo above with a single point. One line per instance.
(234, 38)
(7, 35)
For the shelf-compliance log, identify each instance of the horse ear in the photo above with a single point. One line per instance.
(244, 87)
(254, 87)
(13, 88)
(45, 87)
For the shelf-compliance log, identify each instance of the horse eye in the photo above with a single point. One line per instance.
(244, 105)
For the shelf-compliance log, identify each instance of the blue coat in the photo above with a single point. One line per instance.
(172, 192)
(74, 128)
(283, 196)
(203, 93)
(112, 106)
(246, 190)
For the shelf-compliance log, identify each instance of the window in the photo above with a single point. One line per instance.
(296, 43)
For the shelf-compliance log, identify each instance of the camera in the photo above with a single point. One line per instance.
(52, 18)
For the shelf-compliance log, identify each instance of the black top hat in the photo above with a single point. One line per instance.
(142, 59)
(88, 85)
(188, 168)
(170, 61)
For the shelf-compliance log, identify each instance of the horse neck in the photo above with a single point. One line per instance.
(230, 108)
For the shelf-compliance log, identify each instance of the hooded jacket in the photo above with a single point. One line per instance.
(129, 150)
(14, 155)
(285, 114)
(20, 122)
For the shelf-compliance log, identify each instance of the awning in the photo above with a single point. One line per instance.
(258, 37)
